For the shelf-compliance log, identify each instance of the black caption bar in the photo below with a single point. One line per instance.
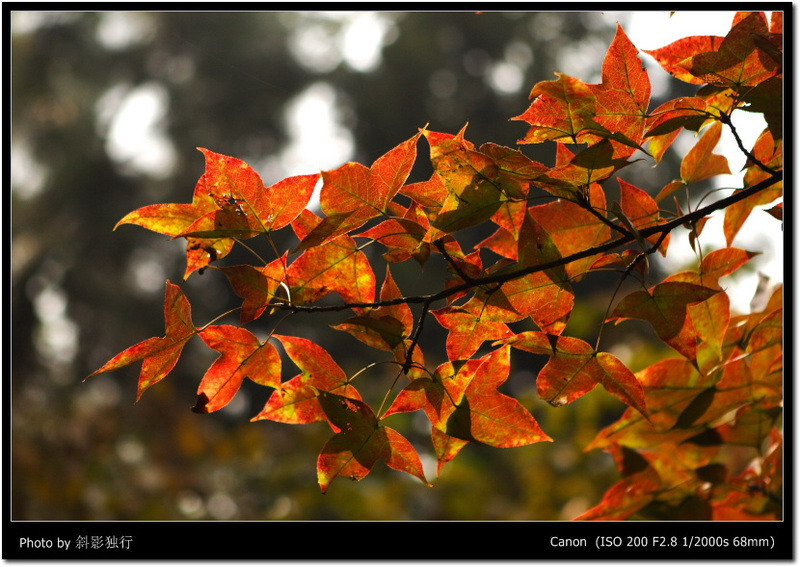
(398, 540)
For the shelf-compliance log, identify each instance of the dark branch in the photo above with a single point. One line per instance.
(504, 277)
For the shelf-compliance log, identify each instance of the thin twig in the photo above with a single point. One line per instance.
(504, 277)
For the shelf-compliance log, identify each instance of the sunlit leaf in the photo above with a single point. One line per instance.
(575, 368)
(623, 97)
(700, 163)
(296, 401)
(245, 207)
(159, 355)
(560, 110)
(664, 306)
(242, 356)
(360, 442)
(338, 266)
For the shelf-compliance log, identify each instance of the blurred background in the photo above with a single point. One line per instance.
(107, 110)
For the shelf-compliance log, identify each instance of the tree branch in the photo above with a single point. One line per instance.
(504, 277)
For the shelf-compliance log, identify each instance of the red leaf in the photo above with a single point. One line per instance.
(671, 56)
(159, 355)
(544, 296)
(242, 356)
(665, 123)
(336, 266)
(385, 327)
(642, 211)
(747, 56)
(245, 207)
(200, 252)
(573, 228)
(623, 97)
(560, 110)
(626, 497)
(296, 399)
(476, 188)
(256, 285)
(402, 238)
(468, 331)
(354, 193)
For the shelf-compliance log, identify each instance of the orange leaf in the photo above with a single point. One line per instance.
(671, 56)
(642, 211)
(336, 266)
(256, 285)
(385, 327)
(242, 356)
(560, 110)
(159, 354)
(575, 368)
(664, 306)
(354, 193)
(360, 442)
(296, 401)
(468, 331)
(463, 402)
(573, 228)
(699, 163)
(245, 207)
(623, 97)
(747, 55)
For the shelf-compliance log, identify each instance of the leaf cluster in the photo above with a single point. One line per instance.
(549, 227)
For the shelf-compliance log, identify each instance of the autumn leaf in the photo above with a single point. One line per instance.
(626, 497)
(671, 56)
(446, 448)
(354, 193)
(159, 355)
(476, 188)
(336, 266)
(360, 442)
(664, 123)
(242, 356)
(591, 165)
(746, 56)
(560, 110)
(245, 207)
(172, 219)
(642, 211)
(575, 368)
(403, 239)
(462, 401)
(384, 327)
(572, 228)
(700, 163)
(467, 331)
(545, 295)
(201, 252)
(257, 286)
(296, 400)
(623, 97)
(769, 152)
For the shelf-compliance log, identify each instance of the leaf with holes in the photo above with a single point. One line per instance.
(245, 207)
(296, 400)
